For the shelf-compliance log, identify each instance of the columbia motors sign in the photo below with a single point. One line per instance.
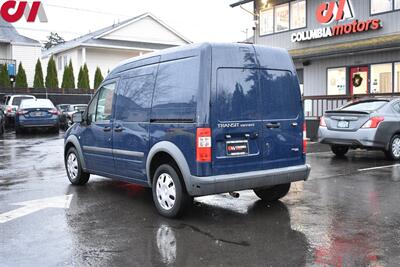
(13, 11)
(336, 11)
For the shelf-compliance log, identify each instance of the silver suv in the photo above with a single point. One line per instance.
(11, 104)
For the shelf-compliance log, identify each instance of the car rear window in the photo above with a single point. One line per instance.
(38, 103)
(365, 106)
(17, 100)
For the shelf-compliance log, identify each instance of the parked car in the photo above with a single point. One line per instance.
(372, 123)
(36, 113)
(2, 122)
(187, 126)
(66, 112)
(11, 104)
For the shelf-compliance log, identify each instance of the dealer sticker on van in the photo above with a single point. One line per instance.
(237, 148)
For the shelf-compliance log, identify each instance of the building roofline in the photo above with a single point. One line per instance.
(240, 3)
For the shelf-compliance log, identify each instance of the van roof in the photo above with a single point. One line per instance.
(277, 58)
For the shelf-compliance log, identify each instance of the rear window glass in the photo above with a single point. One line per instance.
(80, 108)
(365, 106)
(39, 103)
(175, 94)
(237, 94)
(280, 95)
(17, 100)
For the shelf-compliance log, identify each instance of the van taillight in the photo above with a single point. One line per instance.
(304, 138)
(203, 145)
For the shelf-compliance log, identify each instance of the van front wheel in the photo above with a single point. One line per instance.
(273, 193)
(169, 194)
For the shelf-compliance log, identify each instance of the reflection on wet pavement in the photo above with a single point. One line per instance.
(340, 217)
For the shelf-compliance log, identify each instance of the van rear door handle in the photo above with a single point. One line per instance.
(118, 129)
(107, 128)
(273, 125)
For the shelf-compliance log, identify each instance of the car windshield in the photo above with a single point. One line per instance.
(80, 108)
(17, 100)
(38, 103)
(63, 107)
(366, 106)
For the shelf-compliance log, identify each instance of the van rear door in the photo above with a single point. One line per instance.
(236, 124)
(282, 118)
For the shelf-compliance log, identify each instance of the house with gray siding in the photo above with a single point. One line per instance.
(342, 49)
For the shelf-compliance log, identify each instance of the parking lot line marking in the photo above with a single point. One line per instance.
(29, 207)
(378, 168)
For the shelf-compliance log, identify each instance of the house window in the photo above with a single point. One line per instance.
(282, 18)
(397, 4)
(381, 78)
(65, 60)
(380, 6)
(267, 21)
(298, 14)
(337, 81)
(397, 77)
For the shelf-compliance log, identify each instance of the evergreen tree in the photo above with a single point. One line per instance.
(80, 75)
(83, 78)
(86, 84)
(38, 81)
(51, 77)
(68, 81)
(4, 79)
(98, 78)
(20, 79)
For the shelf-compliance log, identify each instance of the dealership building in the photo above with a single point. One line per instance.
(342, 49)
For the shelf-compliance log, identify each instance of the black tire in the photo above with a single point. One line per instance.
(181, 199)
(81, 177)
(2, 127)
(393, 152)
(56, 130)
(340, 150)
(18, 130)
(273, 193)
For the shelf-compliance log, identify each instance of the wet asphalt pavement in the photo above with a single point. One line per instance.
(346, 215)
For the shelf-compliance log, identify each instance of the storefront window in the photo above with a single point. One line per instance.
(381, 78)
(397, 77)
(379, 6)
(397, 4)
(337, 81)
(282, 18)
(298, 14)
(267, 21)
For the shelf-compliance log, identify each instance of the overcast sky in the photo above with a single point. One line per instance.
(203, 20)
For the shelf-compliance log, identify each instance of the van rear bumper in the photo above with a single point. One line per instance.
(201, 186)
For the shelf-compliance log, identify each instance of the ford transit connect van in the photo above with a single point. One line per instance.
(193, 121)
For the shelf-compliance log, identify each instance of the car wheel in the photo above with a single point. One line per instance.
(73, 166)
(274, 193)
(2, 127)
(169, 195)
(339, 151)
(56, 130)
(394, 148)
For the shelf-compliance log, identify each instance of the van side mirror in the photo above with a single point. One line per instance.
(77, 117)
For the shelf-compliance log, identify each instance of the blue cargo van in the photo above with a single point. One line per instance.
(192, 121)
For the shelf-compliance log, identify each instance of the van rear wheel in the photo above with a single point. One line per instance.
(273, 193)
(169, 194)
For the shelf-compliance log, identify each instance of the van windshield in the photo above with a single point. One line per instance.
(17, 100)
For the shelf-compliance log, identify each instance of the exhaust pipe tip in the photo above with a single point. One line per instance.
(234, 194)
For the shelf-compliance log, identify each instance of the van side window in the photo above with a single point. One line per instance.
(134, 98)
(175, 94)
(91, 113)
(280, 95)
(104, 103)
(237, 94)
(396, 107)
